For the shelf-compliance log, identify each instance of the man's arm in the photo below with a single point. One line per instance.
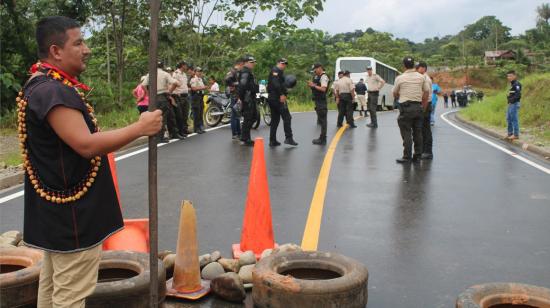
(382, 83)
(70, 126)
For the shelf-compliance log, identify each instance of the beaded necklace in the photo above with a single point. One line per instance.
(52, 195)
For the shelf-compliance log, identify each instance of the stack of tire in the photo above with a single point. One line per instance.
(123, 279)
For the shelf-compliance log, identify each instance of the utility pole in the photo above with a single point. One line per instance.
(153, 197)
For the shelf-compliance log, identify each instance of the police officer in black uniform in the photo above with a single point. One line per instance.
(277, 92)
(319, 87)
(514, 97)
(246, 91)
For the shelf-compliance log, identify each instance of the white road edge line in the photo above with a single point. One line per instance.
(124, 156)
(513, 154)
(121, 157)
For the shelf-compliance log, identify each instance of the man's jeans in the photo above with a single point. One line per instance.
(513, 119)
(235, 119)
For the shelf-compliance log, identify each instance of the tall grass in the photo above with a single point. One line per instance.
(534, 113)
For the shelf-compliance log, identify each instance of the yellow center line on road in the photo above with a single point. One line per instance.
(310, 240)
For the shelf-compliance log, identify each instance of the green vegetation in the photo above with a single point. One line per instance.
(534, 113)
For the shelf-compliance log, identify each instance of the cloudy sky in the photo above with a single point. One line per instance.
(418, 19)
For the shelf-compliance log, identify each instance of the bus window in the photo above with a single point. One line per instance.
(354, 66)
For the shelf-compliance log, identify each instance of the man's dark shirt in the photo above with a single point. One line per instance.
(276, 84)
(514, 94)
(73, 226)
(247, 87)
(360, 88)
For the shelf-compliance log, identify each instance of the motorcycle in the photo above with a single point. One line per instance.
(263, 109)
(218, 109)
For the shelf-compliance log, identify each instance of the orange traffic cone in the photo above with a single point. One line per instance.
(257, 231)
(187, 282)
(135, 235)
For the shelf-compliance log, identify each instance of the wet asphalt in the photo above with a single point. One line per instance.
(425, 231)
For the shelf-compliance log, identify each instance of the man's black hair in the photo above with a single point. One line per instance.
(408, 62)
(181, 64)
(52, 30)
(511, 72)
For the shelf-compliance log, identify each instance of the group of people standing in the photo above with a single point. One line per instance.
(177, 93)
(417, 96)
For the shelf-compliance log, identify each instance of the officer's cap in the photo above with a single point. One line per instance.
(249, 58)
(369, 68)
(198, 69)
(317, 65)
(282, 61)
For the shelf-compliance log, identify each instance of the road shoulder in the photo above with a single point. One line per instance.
(539, 151)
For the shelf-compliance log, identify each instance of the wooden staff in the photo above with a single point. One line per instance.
(153, 198)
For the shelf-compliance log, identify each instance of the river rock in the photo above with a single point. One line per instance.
(163, 254)
(246, 273)
(229, 287)
(215, 256)
(169, 261)
(247, 258)
(13, 234)
(287, 248)
(212, 270)
(229, 265)
(266, 253)
(204, 260)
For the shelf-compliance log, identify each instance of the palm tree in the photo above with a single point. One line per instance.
(544, 12)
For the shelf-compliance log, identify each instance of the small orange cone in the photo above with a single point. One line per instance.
(257, 231)
(135, 235)
(187, 282)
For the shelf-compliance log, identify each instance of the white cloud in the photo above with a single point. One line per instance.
(418, 19)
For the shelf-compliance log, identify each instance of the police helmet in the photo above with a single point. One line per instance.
(290, 81)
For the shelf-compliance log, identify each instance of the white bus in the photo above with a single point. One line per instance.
(358, 69)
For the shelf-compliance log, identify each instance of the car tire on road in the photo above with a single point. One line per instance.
(124, 281)
(504, 295)
(309, 279)
(19, 276)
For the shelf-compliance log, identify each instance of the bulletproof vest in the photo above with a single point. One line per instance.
(316, 93)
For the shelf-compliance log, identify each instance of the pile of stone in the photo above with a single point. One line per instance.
(11, 239)
(230, 278)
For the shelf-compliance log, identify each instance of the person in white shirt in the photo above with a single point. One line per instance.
(214, 86)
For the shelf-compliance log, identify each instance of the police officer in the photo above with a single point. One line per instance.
(165, 85)
(345, 95)
(374, 84)
(276, 97)
(412, 90)
(319, 87)
(246, 91)
(427, 138)
(181, 93)
(514, 96)
(197, 104)
(231, 81)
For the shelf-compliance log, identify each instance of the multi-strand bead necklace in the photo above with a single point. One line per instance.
(53, 195)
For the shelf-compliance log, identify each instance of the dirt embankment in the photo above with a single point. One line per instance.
(478, 78)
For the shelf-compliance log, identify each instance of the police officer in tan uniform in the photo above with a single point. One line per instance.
(181, 93)
(345, 95)
(412, 90)
(374, 84)
(197, 104)
(165, 85)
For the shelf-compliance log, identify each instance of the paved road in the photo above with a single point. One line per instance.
(425, 231)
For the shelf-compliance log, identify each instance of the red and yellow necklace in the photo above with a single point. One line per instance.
(52, 195)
